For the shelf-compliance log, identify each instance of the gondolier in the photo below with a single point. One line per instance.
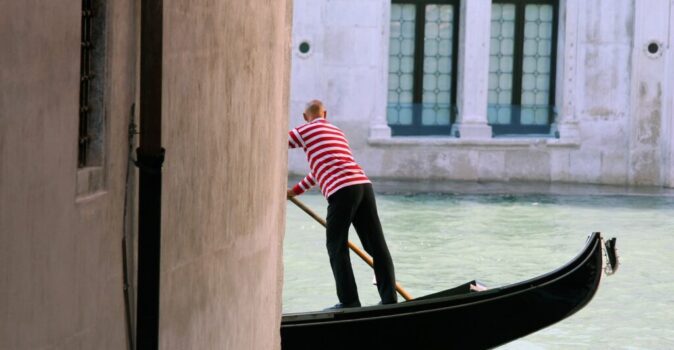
(351, 200)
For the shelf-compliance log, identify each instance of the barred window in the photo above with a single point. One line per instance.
(92, 75)
(522, 66)
(422, 66)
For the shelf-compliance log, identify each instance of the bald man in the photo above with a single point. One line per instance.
(350, 201)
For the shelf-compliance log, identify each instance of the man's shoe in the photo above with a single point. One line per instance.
(342, 306)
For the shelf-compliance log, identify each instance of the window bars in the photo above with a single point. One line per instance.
(86, 76)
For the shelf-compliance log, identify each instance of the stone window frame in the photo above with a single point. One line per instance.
(93, 104)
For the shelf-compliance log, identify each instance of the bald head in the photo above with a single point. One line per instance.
(314, 110)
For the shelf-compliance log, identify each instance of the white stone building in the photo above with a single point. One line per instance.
(498, 90)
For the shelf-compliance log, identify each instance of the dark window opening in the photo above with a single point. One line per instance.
(422, 80)
(653, 48)
(92, 74)
(304, 47)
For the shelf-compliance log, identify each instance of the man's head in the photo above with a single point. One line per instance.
(314, 110)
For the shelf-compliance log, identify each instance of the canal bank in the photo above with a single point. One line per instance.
(410, 186)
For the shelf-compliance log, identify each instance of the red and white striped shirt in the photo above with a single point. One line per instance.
(329, 155)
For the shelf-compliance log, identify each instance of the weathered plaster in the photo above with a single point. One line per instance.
(491, 165)
(560, 163)
(61, 277)
(647, 100)
(226, 69)
(613, 170)
(668, 143)
(225, 92)
(527, 165)
(585, 166)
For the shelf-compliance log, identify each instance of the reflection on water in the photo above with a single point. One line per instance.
(440, 241)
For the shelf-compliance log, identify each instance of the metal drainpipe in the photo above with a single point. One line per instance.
(150, 157)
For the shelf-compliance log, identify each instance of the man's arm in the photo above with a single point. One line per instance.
(302, 186)
(294, 139)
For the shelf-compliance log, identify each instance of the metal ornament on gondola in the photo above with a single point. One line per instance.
(611, 256)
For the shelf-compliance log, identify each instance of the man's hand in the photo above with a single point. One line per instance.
(290, 193)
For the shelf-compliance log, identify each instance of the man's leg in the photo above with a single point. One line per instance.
(368, 227)
(342, 206)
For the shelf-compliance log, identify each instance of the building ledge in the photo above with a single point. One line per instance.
(497, 142)
(90, 183)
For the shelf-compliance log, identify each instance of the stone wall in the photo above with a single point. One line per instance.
(226, 70)
(225, 93)
(61, 227)
(345, 66)
(605, 131)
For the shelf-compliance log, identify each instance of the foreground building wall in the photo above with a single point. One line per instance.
(62, 216)
(611, 123)
(61, 225)
(226, 71)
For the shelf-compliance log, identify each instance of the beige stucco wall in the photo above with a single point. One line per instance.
(60, 254)
(226, 69)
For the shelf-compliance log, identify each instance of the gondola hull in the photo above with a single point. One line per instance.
(456, 318)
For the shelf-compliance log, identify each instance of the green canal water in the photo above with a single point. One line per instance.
(442, 240)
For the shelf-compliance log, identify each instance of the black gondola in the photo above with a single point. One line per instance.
(457, 318)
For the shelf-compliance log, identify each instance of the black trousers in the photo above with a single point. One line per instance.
(356, 204)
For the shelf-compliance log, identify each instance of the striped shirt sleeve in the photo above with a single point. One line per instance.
(294, 139)
(304, 185)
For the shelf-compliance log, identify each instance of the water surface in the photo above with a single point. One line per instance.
(441, 240)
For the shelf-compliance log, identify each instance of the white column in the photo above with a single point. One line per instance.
(473, 72)
(568, 86)
(379, 128)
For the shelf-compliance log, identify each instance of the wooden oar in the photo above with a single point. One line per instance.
(353, 247)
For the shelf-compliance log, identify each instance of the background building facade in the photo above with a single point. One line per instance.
(506, 90)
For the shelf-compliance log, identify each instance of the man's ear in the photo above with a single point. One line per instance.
(325, 114)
